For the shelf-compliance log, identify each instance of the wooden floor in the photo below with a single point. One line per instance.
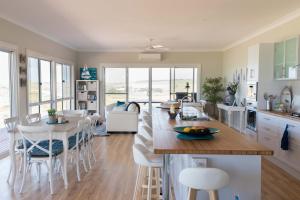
(113, 177)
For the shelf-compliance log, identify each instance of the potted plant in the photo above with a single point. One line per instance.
(213, 91)
(52, 115)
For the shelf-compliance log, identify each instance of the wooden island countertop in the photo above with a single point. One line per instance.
(226, 142)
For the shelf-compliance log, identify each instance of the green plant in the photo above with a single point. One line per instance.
(51, 112)
(213, 89)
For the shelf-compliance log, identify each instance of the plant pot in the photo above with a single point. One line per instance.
(52, 119)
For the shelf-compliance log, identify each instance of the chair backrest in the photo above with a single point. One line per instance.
(147, 120)
(147, 129)
(94, 120)
(34, 135)
(140, 155)
(74, 113)
(11, 124)
(31, 118)
(87, 129)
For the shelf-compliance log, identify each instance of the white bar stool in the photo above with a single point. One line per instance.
(140, 139)
(146, 113)
(147, 120)
(146, 131)
(145, 158)
(208, 179)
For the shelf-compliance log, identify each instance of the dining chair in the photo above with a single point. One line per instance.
(32, 118)
(76, 144)
(74, 113)
(11, 127)
(42, 149)
(91, 130)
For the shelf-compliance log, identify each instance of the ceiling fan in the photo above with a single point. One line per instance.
(152, 47)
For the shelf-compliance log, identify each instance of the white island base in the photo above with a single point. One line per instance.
(244, 172)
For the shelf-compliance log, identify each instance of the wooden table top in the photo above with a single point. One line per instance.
(226, 142)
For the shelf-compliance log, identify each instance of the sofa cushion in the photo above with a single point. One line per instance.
(119, 108)
(120, 103)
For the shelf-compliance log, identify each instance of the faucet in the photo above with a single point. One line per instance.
(181, 103)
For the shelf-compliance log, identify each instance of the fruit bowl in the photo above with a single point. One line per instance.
(196, 130)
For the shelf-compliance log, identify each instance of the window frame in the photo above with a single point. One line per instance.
(63, 98)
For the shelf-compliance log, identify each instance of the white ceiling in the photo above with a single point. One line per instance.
(126, 25)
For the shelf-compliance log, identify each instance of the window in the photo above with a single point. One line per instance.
(5, 104)
(133, 84)
(63, 87)
(115, 85)
(48, 87)
(39, 85)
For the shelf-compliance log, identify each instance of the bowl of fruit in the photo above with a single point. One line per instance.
(196, 130)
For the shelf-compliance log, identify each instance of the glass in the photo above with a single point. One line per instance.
(33, 80)
(67, 104)
(59, 106)
(4, 87)
(59, 89)
(66, 81)
(45, 80)
(115, 80)
(160, 84)
(44, 109)
(33, 109)
(183, 76)
(138, 88)
(113, 98)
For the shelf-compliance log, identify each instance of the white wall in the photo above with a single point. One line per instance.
(26, 40)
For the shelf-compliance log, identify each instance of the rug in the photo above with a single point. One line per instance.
(101, 130)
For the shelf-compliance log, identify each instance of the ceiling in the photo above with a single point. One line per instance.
(126, 25)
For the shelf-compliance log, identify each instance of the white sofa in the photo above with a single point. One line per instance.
(121, 121)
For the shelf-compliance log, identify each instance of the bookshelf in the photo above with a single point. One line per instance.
(87, 95)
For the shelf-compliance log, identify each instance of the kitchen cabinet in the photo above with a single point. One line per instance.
(286, 56)
(270, 130)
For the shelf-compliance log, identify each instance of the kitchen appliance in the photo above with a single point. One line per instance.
(252, 92)
(295, 114)
(251, 118)
(251, 107)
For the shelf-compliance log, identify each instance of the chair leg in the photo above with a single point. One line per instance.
(77, 164)
(10, 169)
(50, 176)
(157, 182)
(83, 160)
(24, 174)
(149, 190)
(213, 195)
(21, 164)
(192, 194)
(89, 155)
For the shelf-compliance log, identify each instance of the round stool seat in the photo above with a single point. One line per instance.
(204, 178)
(144, 157)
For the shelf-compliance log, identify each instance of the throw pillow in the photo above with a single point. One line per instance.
(133, 107)
(120, 103)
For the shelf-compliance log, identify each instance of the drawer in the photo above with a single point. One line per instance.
(294, 131)
(92, 105)
(291, 157)
(270, 140)
(82, 96)
(92, 85)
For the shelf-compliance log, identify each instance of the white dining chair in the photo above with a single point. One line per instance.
(11, 127)
(91, 130)
(74, 113)
(40, 148)
(207, 179)
(76, 145)
(144, 158)
(32, 118)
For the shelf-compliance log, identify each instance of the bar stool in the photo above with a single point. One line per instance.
(144, 158)
(208, 179)
(146, 113)
(147, 120)
(146, 131)
(140, 139)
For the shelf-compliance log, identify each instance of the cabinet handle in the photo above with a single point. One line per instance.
(267, 138)
(267, 118)
(291, 126)
(267, 129)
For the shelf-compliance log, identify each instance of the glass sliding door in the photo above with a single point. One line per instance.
(66, 87)
(160, 85)
(138, 86)
(115, 85)
(5, 100)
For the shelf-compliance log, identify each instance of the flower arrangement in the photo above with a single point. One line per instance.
(232, 87)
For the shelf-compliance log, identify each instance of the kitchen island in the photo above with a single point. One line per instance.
(239, 156)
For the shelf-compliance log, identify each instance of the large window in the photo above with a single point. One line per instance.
(48, 87)
(63, 87)
(115, 85)
(39, 85)
(145, 85)
(5, 103)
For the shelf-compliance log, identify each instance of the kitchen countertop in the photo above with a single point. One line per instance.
(280, 114)
(226, 142)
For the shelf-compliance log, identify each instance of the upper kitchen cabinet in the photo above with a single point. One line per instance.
(286, 57)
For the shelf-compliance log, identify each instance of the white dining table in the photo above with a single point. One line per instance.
(60, 132)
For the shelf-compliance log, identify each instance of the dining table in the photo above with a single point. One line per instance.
(60, 132)
(228, 150)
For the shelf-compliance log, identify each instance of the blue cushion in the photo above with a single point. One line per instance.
(120, 103)
(57, 148)
(72, 140)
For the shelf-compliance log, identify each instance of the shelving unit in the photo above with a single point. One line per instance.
(87, 95)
